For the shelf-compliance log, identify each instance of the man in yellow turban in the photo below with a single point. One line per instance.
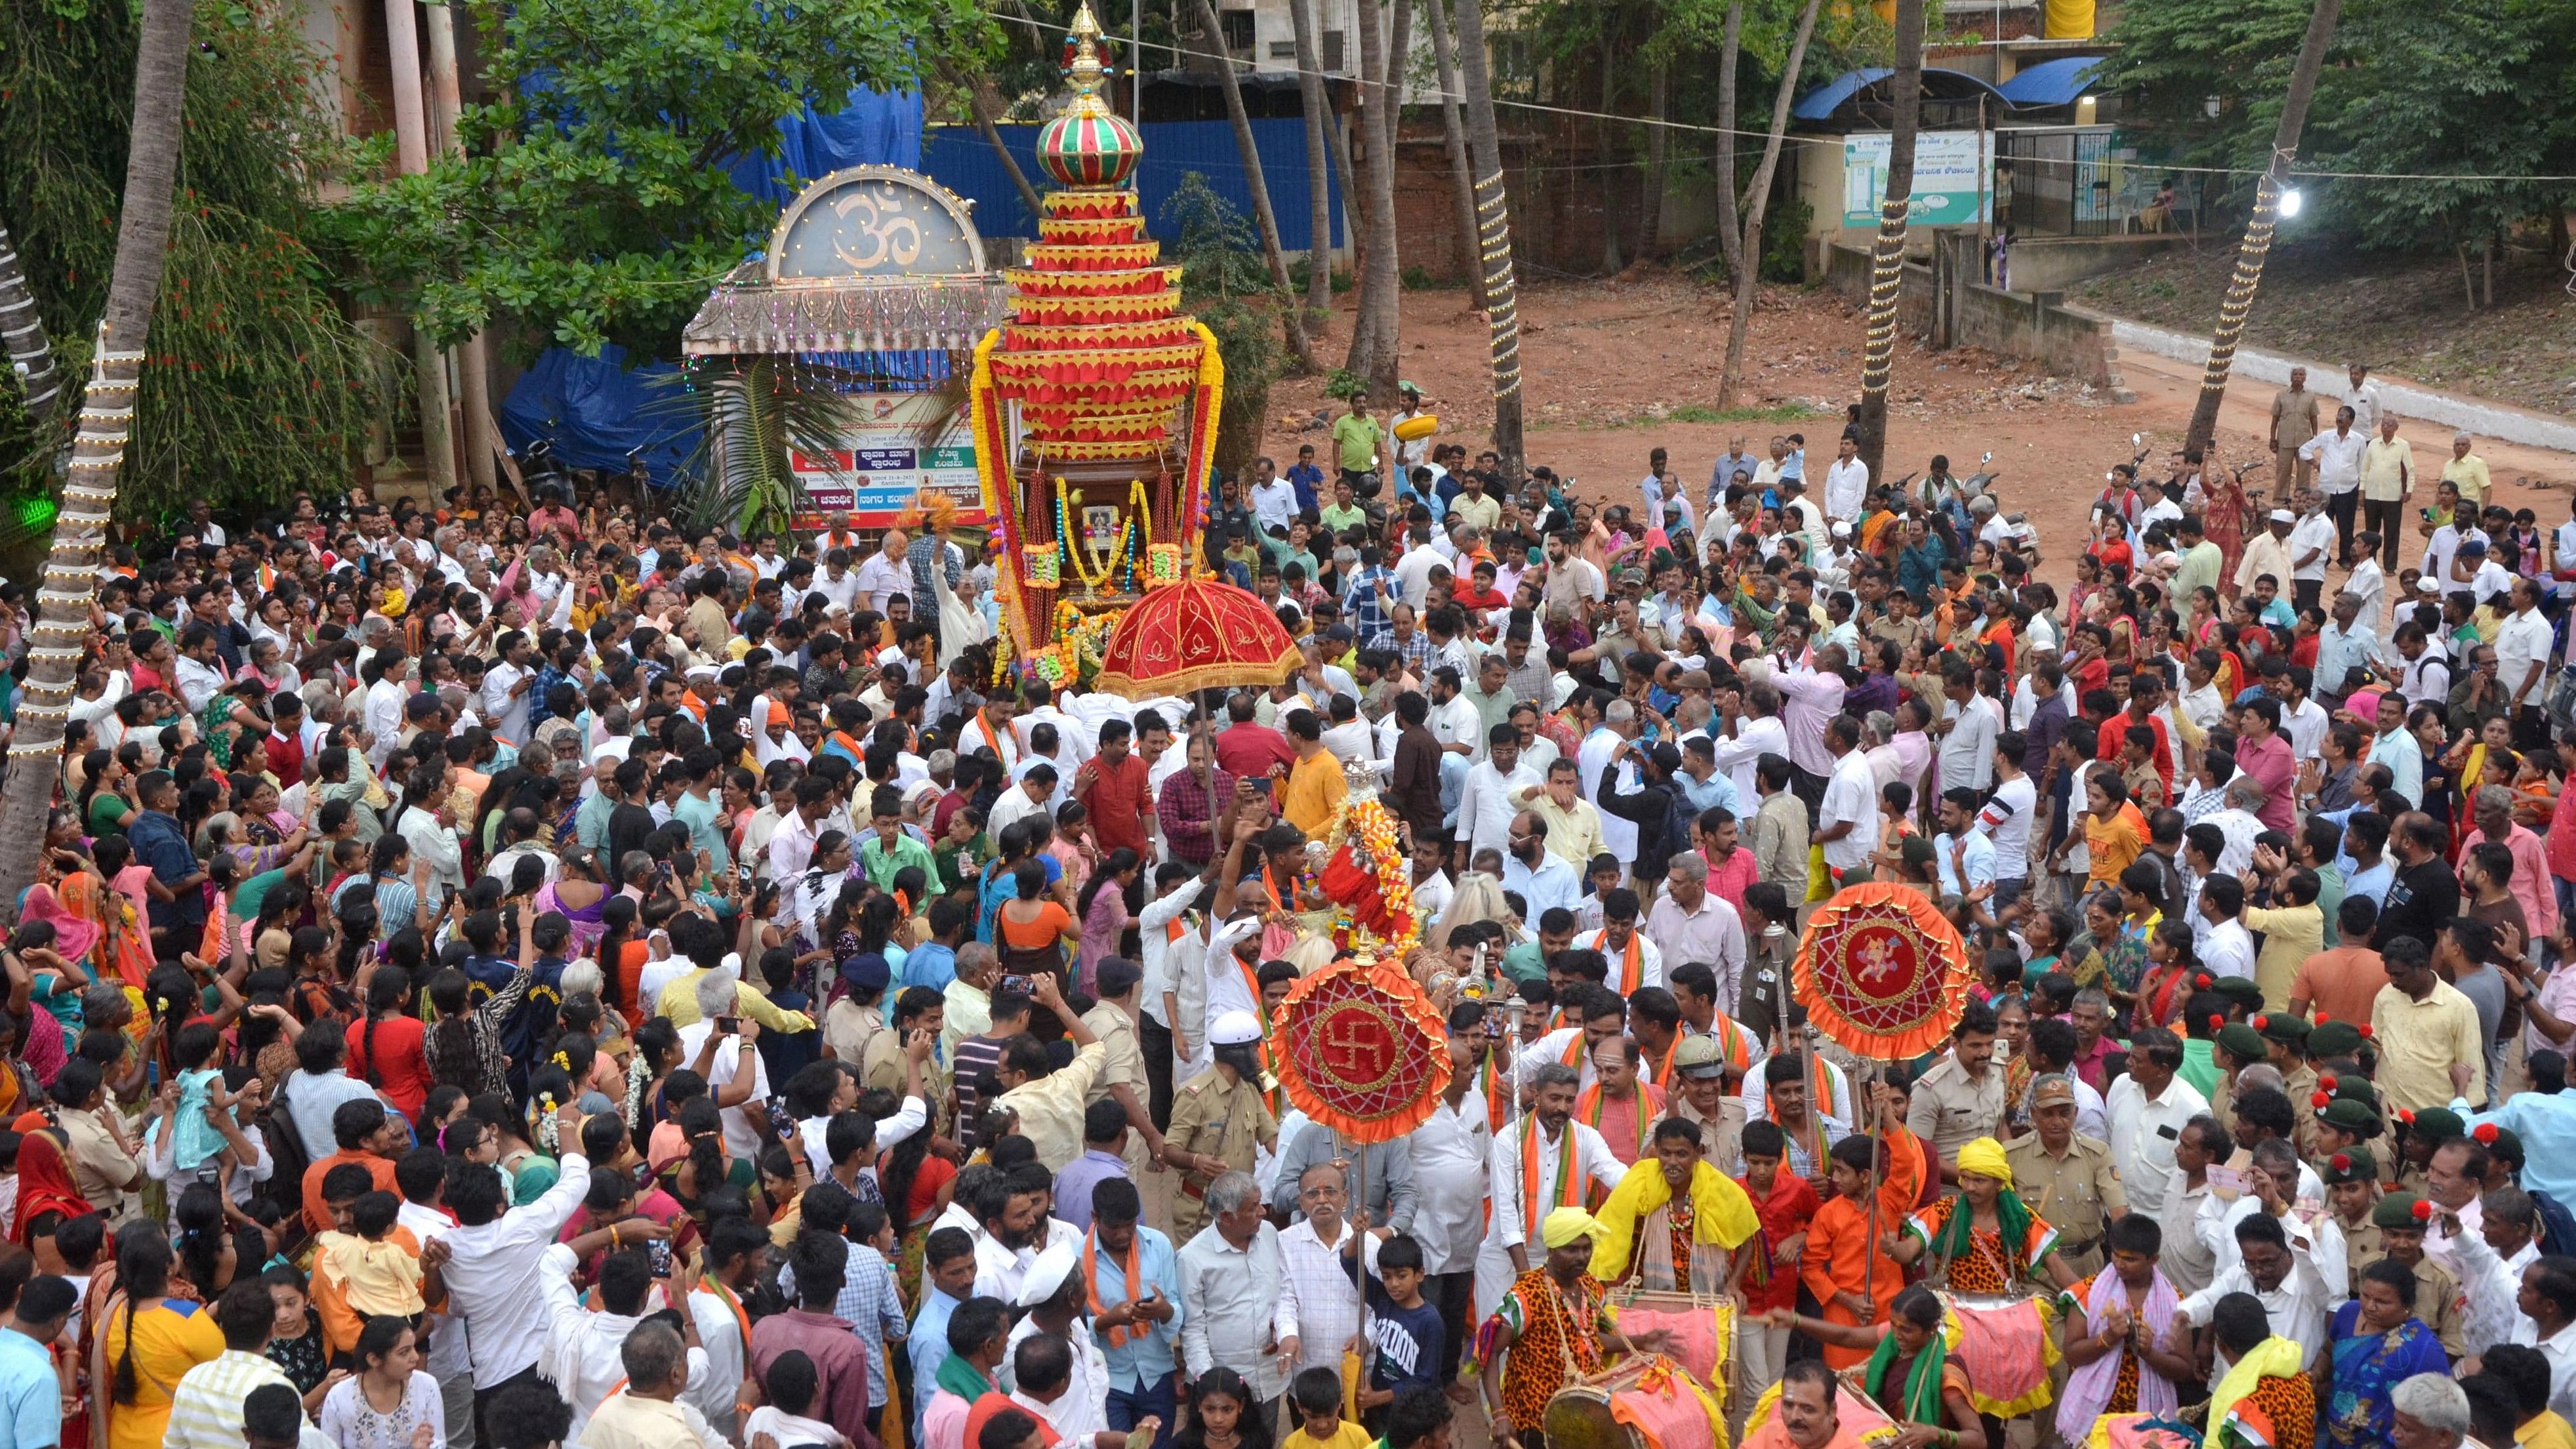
(1987, 1239)
(1551, 1328)
(1675, 1198)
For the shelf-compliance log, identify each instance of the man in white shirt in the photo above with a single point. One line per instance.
(493, 1257)
(506, 683)
(1234, 1301)
(2364, 399)
(1847, 825)
(1485, 806)
(885, 574)
(2148, 1106)
(1512, 1245)
(2005, 819)
(1846, 483)
(1274, 499)
(2312, 547)
(2292, 1298)
(2522, 662)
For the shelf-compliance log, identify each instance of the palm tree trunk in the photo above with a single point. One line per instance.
(1494, 236)
(1374, 340)
(1757, 200)
(1453, 129)
(1211, 32)
(2239, 300)
(22, 329)
(1318, 106)
(1730, 51)
(1650, 215)
(982, 110)
(1609, 145)
(98, 448)
(1887, 258)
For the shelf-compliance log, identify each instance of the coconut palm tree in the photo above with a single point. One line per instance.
(1453, 131)
(2259, 223)
(1319, 196)
(1493, 236)
(1887, 258)
(22, 336)
(1744, 250)
(1212, 34)
(98, 447)
(1375, 342)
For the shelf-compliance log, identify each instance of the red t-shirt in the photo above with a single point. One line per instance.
(398, 1065)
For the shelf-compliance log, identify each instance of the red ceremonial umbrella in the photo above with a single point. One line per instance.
(1194, 634)
(1363, 1050)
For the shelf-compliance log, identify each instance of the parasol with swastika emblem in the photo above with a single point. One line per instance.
(1362, 1050)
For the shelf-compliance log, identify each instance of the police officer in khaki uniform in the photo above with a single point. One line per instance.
(2401, 1218)
(2351, 1177)
(2285, 1046)
(2068, 1180)
(1961, 1098)
(1219, 1120)
(2236, 1047)
(1704, 1092)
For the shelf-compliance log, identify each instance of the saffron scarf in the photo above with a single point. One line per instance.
(1920, 1401)
(1562, 1194)
(1588, 1107)
(1632, 963)
(1091, 1282)
(1720, 1213)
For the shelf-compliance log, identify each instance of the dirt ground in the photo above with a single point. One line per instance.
(1613, 370)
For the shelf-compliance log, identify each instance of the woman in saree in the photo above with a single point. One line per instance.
(124, 951)
(1910, 1375)
(47, 1194)
(2223, 515)
(2379, 1343)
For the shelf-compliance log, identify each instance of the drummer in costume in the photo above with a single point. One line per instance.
(2067, 1178)
(1986, 1239)
(1909, 1372)
(2266, 1400)
(1845, 1265)
(1552, 1328)
(1219, 1120)
(1675, 1224)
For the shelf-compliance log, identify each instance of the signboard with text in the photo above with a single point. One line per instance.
(885, 470)
(1953, 178)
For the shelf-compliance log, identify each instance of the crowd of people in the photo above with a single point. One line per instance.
(525, 979)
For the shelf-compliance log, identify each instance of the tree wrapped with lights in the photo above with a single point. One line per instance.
(2259, 226)
(1887, 259)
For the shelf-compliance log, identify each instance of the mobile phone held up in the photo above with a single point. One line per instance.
(1019, 984)
(728, 1026)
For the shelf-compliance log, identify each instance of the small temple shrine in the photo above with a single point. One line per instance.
(1094, 406)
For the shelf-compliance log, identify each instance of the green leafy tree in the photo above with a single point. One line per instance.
(256, 382)
(594, 202)
(1225, 285)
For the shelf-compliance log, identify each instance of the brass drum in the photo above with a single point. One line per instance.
(1578, 1416)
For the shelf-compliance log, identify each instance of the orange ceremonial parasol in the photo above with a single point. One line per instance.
(1363, 1050)
(1882, 972)
(1194, 634)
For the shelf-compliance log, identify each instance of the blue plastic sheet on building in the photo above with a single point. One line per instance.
(959, 158)
(596, 409)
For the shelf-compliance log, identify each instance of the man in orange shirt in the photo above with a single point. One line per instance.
(1845, 1264)
(367, 1135)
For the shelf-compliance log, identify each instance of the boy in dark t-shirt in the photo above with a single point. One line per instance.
(1405, 1333)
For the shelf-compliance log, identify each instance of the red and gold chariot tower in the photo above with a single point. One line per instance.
(1095, 405)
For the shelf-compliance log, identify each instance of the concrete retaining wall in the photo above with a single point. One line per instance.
(2038, 326)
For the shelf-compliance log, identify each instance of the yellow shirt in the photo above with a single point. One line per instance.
(1352, 1436)
(2291, 935)
(2387, 469)
(2544, 1430)
(2418, 1041)
(679, 1003)
(2470, 475)
(1315, 791)
(1573, 836)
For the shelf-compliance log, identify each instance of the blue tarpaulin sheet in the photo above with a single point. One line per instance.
(595, 409)
(960, 159)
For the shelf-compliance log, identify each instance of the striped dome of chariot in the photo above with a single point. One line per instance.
(1089, 144)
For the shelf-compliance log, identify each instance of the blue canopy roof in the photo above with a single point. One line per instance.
(2052, 83)
(1820, 104)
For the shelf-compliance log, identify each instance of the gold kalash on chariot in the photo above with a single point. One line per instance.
(1094, 410)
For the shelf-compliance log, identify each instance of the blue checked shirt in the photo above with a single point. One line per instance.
(869, 1304)
(1360, 605)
